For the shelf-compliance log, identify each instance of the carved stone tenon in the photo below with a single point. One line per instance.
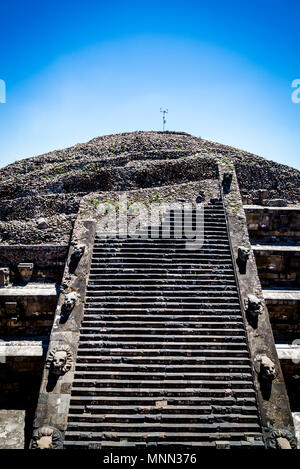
(46, 438)
(265, 367)
(59, 360)
(253, 305)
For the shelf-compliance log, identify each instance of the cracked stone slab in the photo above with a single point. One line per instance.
(12, 425)
(21, 348)
(288, 295)
(290, 208)
(30, 290)
(269, 248)
(288, 352)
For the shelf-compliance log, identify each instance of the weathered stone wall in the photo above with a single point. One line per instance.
(32, 311)
(12, 428)
(55, 390)
(254, 174)
(272, 396)
(284, 316)
(273, 224)
(278, 267)
(49, 260)
(20, 380)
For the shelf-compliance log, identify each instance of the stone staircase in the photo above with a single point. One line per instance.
(163, 356)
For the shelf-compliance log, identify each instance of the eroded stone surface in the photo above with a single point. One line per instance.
(12, 425)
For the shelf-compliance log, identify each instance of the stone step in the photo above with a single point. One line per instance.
(145, 372)
(165, 303)
(207, 297)
(167, 267)
(135, 347)
(204, 266)
(232, 440)
(96, 370)
(154, 322)
(163, 404)
(155, 294)
(166, 354)
(157, 289)
(189, 220)
(124, 237)
(222, 312)
(210, 242)
(143, 396)
(199, 209)
(131, 243)
(207, 207)
(160, 264)
(178, 327)
(186, 307)
(145, 231)
(168, 411)
(137, 329)
(210, 434)
(193, 340)
(155, 361)
(202, 282)
(121, 237)
(96, 421)
(177, 259)
(159, 251)
(130, 387)
(161, 332)
(163, 285)
(185, 217)
(203, 274)
(165, 318)
(203, 427)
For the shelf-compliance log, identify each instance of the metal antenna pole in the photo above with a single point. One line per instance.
(164, 112)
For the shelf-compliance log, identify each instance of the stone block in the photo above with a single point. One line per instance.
(11, 308)
(4, 277)
(25, 270)
(12, 425)
(275, 203)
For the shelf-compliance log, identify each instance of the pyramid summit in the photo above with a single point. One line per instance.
(52, 185)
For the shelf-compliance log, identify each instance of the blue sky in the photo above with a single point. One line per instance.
(78, 69)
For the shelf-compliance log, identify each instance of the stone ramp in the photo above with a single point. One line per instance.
(163, 356)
